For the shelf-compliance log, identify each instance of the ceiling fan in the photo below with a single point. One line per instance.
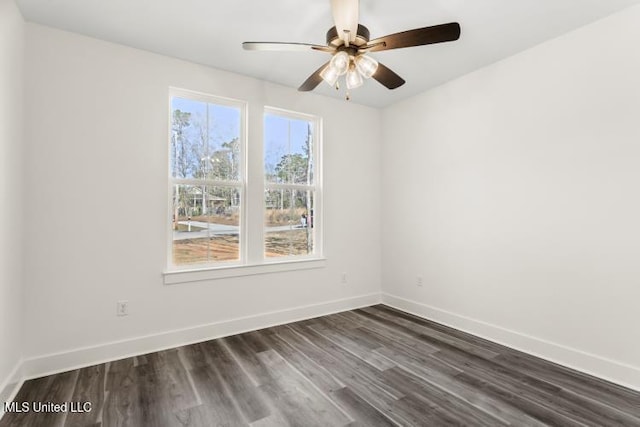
(349, 44)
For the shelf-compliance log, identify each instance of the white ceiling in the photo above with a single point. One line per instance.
(210, 32)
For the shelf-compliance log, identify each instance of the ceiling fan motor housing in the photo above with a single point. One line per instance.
(362, 37)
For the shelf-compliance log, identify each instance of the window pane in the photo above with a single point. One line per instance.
(288, 222)
(288, 150)
(205, 224)
(205, 140)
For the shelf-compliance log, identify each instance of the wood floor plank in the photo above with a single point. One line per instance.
(538, 391)
(172, 379)
(359, 381)
(375, 366)
(456, 408)
(586, 386)
(354, 347)
(387, 331)
(433, 337)
(246, 356)
(474, 396)
(298, 400)
(31, 391)
(416, 412)
(193, 356)
(165, 388)
(89, 387)
(542, 399)
(352, 332)
(359, 409)
(275, 419)
(310, 368)
(55, 389)
(541, 412)
(152, 399)
(219, 407)
(193, 417)
(480, 342)
(121, 407)
(428, 366)
(248, 400)
(414, 348)
(349, 362)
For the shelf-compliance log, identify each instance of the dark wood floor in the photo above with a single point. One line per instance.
(371, 367)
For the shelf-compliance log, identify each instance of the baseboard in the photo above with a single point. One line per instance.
(9, 388)
(592, 364)
(78, 358)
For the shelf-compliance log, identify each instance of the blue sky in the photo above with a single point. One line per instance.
(281, 134)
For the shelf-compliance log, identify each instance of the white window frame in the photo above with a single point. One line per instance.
(252, 259)
(316, 187)
(240, 185)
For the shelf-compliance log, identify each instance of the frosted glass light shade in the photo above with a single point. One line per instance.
(366, 65)
(330, 75)
(354, 79)
(340, 62)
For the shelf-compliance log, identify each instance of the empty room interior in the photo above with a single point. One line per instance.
(320, 213)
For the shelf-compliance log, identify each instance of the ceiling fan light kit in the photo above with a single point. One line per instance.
(340, 62)
(355, 68)
(354, 79)
(366, 65)
(330, 75)
(349, 44)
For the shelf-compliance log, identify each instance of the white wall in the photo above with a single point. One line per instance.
(514, 191)
(11, 301)
(97, 146)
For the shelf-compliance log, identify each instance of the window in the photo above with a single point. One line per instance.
(216, 197)
(207, 185)
(291, 202)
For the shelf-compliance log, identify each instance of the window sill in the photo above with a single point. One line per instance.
(214, 273)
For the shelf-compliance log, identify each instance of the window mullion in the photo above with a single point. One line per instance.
(254, 228)
(208, 182)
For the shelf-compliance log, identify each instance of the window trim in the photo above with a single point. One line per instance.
(225, 272)
(316, 186)
(241, 184)
(249, 179)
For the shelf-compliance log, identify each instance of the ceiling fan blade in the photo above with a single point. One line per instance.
(313, 81)
(285, 47)
(388, 78)
(346, 16)
(418, 37)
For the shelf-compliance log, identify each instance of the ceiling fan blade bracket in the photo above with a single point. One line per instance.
(368, 48)
(327, 49)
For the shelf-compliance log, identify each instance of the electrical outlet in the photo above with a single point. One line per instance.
(419, 281)
(343, 278)
(122, 308)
